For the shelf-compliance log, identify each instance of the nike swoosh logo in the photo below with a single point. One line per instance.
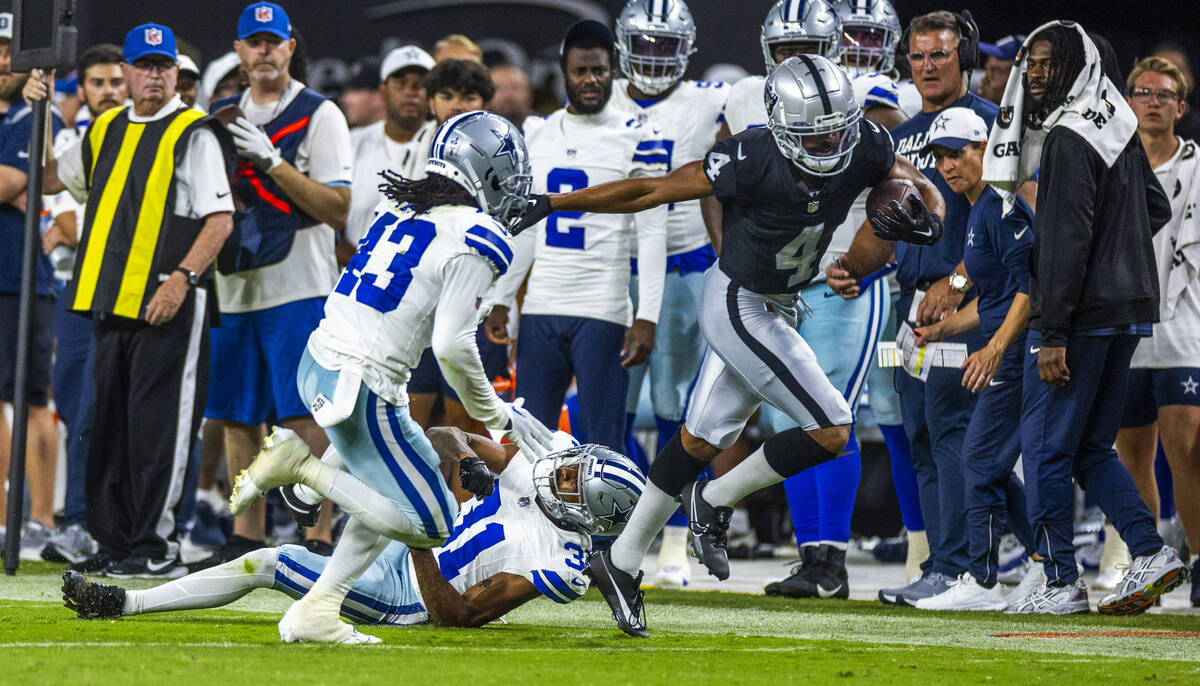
(1017, 236)
(1034, 351)
(827, 594)
(926, 232)
(740, 156)
(994, 382)
(23, 154)
(158, 567)
(222, 195)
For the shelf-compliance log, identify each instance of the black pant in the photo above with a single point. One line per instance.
(151, 384)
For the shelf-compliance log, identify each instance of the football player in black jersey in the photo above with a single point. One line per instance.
(784, 190)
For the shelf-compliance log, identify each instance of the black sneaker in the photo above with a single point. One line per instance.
(316, 547)
(621, 591)
(235, 548)
(138, 567)
(707, 527)
(97, 564)
(830, 575)
(90, 600)
(798, 584)
(302, 513)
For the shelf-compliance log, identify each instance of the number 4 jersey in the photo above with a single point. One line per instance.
(776, 226)
(415, 279)
(507, 532)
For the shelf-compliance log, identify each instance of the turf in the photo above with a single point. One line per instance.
(696, 638)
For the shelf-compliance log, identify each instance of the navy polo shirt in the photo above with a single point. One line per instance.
(16, 126)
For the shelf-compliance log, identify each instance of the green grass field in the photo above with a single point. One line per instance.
(697, 637)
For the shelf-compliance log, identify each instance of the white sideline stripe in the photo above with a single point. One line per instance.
(385, 646)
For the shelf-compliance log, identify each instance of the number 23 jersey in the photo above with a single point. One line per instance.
(508, 533)
(775, 226)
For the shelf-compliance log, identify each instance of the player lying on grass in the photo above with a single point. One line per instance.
(529, 536)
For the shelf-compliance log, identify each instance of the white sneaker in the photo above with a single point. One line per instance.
(34, 537)
(1018, 573)
(1035, 577)
(1148, 577)
(965, 593)
(1054, 600)
(277, 464)
(303, 623)
(674, 570)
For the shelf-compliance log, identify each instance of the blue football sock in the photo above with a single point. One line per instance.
(837, 484)
(904, 478)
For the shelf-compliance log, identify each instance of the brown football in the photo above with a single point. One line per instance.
(228, 114)
(889, 190)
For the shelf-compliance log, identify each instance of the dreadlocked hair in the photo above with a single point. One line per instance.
(422, 194)
(1066, 61)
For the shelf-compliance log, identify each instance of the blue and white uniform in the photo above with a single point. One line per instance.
(415, 281)
(844, 335)
(505, 533)
(688, 118)
(577, 305)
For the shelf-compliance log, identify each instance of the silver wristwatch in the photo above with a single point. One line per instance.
(959, 283)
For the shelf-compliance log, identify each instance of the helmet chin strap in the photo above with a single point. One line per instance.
(554, 520)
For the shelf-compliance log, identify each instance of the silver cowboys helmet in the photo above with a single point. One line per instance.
(589, 488)
(654, 40)
(871, 30)
(812, 113)
(486, 155)
(801, 21)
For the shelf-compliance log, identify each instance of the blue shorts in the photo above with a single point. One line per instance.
(254, 360)
(386, 593)
(37, 383)
(384, 448)
(1149, 389)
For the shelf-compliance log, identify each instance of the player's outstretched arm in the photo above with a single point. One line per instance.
(484, 602)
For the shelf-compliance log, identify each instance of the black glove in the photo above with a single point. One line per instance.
(917, 226)
(538, 209)
(475, 477)
(302, 513)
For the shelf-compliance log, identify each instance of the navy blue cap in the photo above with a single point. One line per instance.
(1004, 49)
(589, 27)
(149, 39)
(264, 17)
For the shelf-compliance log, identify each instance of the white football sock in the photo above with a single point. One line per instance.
(211, 587)
(653, 510)
(354, 553)
(307, 495)
(749, 476)
(363, 503)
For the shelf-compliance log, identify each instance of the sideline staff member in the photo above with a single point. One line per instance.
(154, 178)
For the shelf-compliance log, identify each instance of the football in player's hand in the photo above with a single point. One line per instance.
(884, 193)
(229, 114)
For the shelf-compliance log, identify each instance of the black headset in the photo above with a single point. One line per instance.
(969, 55)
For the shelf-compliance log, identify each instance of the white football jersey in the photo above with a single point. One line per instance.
(373, 153)
(508, 532)
(581, 260)
(746, 109)
(380, 316)
(688, 119)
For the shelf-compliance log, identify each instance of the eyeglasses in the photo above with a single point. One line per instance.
(937, 57)
(1147, 94)
(157, 67)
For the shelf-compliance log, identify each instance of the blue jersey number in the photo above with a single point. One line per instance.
(576, 561)
(383, 287)
(563, 181)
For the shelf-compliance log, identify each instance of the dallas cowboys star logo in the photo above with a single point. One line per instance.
(507, 147)
(939, 125)
(1189, 386)
(617, 516)
(971, 238)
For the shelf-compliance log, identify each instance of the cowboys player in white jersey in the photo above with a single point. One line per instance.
(577, 319)
(525, 534)
(843, 333)
(654, 40)
(783, 191)
(418, 279)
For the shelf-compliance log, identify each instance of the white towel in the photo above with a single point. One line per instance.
(1094, 109)
(1178, 244)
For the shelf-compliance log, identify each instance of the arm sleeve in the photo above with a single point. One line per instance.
(651, 226)
(1014, 251)
(1066, 203)
(327, 149)
(206, 170)
(465, 279)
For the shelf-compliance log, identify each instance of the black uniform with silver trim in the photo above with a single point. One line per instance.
(775, 225)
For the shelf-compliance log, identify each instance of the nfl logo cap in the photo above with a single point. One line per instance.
(150, 39)
(264, 16)
(955, 127)
(402, 58)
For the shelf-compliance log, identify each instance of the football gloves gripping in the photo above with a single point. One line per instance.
(915, 225)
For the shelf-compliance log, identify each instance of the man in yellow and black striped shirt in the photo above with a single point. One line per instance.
(155, 179)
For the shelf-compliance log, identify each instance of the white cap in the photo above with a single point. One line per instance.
(404, 56)
(213, 73)
(6, 23)
(955, 127)
(186, 64)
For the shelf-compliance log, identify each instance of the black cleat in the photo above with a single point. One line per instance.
(90, 600)
(707, 527)
(798, 584)
(98, 564)
(302, 513)
(621, 591)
